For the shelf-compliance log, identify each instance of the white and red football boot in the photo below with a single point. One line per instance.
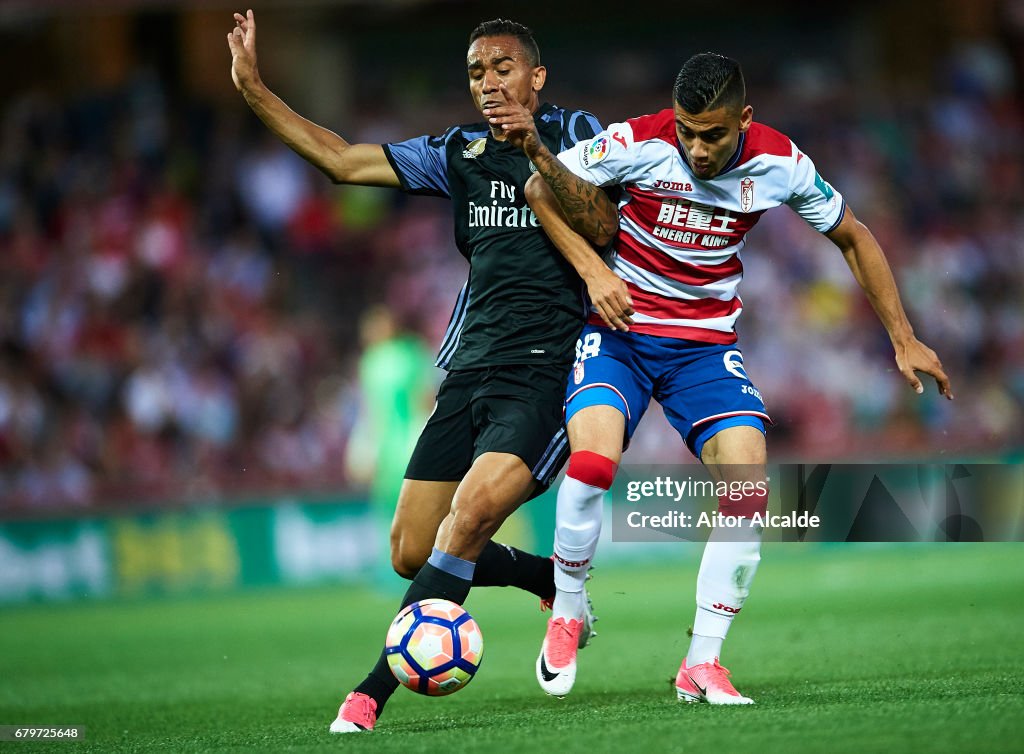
(708, 682)
(556, 663)
(358, 713)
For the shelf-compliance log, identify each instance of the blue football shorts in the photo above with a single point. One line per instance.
(702, 387)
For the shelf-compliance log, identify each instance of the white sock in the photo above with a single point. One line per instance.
(577, 529)
(727, 569)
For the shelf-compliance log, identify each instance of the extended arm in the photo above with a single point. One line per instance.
(608, 292)
(871, 269)
(342, 162)
(587, 208)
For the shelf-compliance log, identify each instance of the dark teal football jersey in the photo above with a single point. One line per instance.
(523, 303)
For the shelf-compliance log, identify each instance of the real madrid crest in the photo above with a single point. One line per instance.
(475, 148)
(746, 194)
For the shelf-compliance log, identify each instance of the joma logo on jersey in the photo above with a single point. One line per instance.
(673, 185)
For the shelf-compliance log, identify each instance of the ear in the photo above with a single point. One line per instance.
(746, 118)
(540, 75)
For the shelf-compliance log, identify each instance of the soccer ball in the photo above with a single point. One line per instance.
(434, 647)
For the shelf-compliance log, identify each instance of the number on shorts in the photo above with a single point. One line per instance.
(733, 361)
(588, 346)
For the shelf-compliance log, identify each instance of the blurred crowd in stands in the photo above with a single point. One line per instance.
(180, 295)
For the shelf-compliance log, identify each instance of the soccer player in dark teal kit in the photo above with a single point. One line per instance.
(495, 438)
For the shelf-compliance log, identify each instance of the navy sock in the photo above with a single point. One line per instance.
(503, 565)
(431, 581)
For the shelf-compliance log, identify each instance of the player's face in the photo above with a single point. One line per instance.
(501, 60)
(710, 138)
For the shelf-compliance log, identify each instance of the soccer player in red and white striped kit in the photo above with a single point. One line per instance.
(693, 179)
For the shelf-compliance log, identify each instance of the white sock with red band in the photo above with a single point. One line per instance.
(578, 527)
(727, 569)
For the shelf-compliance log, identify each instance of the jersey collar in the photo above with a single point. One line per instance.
(734, 160)
(543, 109)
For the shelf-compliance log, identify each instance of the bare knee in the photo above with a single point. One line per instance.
(737, 451)
(477, 513)
(476, 517)
(407, 555)
(599, 429)
(422, 506)
(407, 564)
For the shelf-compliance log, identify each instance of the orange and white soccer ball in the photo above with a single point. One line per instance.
(434, 647)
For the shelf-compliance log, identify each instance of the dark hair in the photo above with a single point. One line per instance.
(502, 27)
(709, 81)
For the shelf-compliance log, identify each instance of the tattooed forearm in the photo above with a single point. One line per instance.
(587, 208)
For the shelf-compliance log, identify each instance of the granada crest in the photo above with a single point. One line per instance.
(746, 194)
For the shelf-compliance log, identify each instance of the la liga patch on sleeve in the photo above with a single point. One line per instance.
(594, 152)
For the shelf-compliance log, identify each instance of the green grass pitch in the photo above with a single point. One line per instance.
(846, 649)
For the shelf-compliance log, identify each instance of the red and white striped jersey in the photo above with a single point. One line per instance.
(680, 237)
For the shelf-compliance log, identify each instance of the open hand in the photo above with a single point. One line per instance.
(242, 43)
(915, 356)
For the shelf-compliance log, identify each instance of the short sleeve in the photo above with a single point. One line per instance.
(421, 164)
(605, 159)
(813, 198)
